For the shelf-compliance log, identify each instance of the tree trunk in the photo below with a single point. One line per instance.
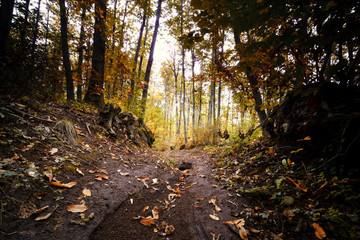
(123, 25)
(132, 85)
(151, 58)
(81, 56)
(183, 71)
(254, 86)
(95, 93)
(65, 52)
(193, 87)
(6, 14)
(25, 24)
(144, 46)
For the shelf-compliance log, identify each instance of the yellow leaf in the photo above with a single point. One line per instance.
(79, 171)
(147, 221)
(214, 217)
(296, 151)
(77, 208)
(87, 192)
(145, 208)
(305, 139)
(319, 231)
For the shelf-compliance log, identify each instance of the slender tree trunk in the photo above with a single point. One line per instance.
(25, 24)
(132, 85)
(6, 14)
(183, 71)
(95, 94)
(151, 58)
(47, 25)
(254, 86)
(193, 87)
(36, 29)
(123, 25)
(65, 52)
(81, 56)
(144, 47)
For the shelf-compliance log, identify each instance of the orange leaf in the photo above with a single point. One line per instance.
(145, 208)
(147, 221)
(177, 191)
(271, 150)
(49, 173)
(300, 185)
(319, 231)
(101, 177)
(65, 185)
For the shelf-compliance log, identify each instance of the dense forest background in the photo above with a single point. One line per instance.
(231, 64)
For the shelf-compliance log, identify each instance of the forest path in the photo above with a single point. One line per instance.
(186, 207)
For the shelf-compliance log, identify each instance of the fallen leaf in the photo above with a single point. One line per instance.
(305, 139)
(144, 182)
(53, 151)
(214, 217)
(296, 151)
(15, 157)
(101, 177)
(147, 221)
(77, 208)
(213, 201)
(202, 176)
(79, 171)
(243, 233)
(156, 212)
(300, 185)
(200, 199)
(145, 208)
(48, 173)
(26, 148)
(98, 171)
(46, 216)
(319, 231)
(86, 192)
(253, 230)
(65, 185)
(40, 209)
(271, 150)
(177, 191)
(124, 174)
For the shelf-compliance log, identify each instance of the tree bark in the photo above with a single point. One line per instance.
(193, 86)
(254, 86)
(151, 58)
(65, 52)
(6, 14)
(95, 93)
(81, 56)
(183, 71)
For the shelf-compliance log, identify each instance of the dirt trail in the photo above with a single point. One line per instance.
(189, 212)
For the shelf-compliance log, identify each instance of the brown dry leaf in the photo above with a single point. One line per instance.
(98, 171)
(199, 199)
(213, 201)
(40, 209)
(289, 214)
(253, 230)
(49, 173)
(177, 191)
(53, 151)
(79, 171)
(300, 185)
(86, 192)
(124, 174)
(271, 150)
(65, 185)
(46, 216)
(156, 212)
(77, 208)
(319, 231)
(145, 208)
(143, 180)
(243, 233)
(147, 221)
(214, 217)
